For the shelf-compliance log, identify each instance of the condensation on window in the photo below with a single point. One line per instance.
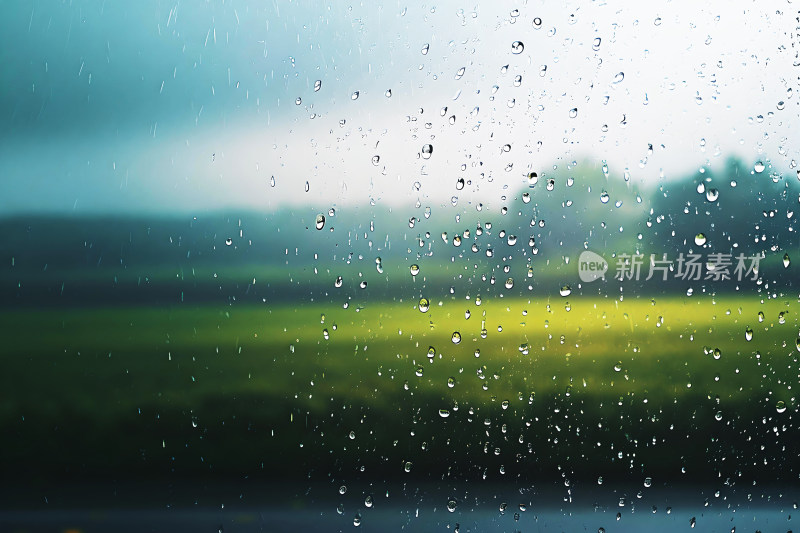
(439, 267)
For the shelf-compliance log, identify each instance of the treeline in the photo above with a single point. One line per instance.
(535, 239)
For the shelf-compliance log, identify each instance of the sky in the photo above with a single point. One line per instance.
(160, 106)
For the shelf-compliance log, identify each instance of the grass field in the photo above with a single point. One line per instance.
(669, 388)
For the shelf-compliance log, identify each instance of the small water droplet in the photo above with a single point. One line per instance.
(573, 112)
(317, 85)
(425, 49)
(786, 260)
(456, 338)
(780, 406)
(712, 195)
(354, 96)
(320, 222)
(427, 151)
(759, 167)
(700, 239)
(517, 47)
(424, 305)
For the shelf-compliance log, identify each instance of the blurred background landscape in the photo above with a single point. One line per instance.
(294, 267)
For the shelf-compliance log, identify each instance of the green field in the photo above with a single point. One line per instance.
(581, 386)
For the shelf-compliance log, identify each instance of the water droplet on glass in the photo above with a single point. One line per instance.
(424, 305)
(320, 222)
(780, 406)
(451, 506)
(566, 290)
(573, 112)
(619, 77)
(596, 44)
(456, 338)
(537, 23)
(388, 93)
(748, 334)
(425, 49)
(786, 261)
(354, 96)
(307, 187)
(759, 167)
(338, 282)
(363, 284)
(317, 85)
(460, 73)
(509, 283)
(712, 195)
(272, 181)
(407, 466)
(604, 197)
(700, 239)
(228, 241)
(451, 382)
(298, 101)
(444, 413)
(427, 151)
(517, 47)
(376, 159)
(459, 184)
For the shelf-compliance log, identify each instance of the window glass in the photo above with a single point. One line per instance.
(437, 267)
